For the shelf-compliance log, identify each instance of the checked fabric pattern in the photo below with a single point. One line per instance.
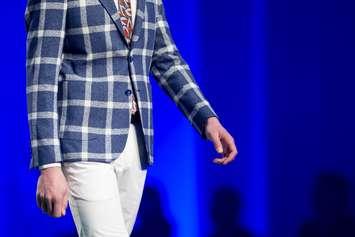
(80, 72)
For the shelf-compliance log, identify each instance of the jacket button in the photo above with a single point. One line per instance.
(128, 92)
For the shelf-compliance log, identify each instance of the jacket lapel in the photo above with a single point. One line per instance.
(111, 9)
(139, 20)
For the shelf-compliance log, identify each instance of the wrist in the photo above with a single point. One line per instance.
(213, 118)
(209, 120)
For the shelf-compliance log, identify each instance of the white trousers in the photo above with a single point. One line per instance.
(105, 197)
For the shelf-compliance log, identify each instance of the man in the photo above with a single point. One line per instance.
(90, 109)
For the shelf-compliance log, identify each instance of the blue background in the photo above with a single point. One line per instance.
(281, 76)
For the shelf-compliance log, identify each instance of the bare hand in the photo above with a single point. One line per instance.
(222, 141)
(52, 192)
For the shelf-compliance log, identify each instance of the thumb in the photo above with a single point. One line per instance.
(217, 143)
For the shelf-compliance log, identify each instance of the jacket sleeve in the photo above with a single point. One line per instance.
(45, 28)
(174, 76)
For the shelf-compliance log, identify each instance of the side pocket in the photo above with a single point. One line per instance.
(70, 123)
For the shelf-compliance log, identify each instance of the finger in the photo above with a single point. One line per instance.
(225, 148)
(217, 143)
(45, 205)
(226, 159)
(57, 208)
(231, 149)
(232, 156)
(49, 205)
(42, 204)
(65, 204)
(38, 200)
(225, 155)
(219, 160)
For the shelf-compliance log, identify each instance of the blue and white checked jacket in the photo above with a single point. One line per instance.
(78, 73)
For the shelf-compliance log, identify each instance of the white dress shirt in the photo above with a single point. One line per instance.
(133, 10)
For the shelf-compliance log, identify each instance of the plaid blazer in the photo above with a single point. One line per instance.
(81, 72)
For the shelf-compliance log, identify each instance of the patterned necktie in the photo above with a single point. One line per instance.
(125, 13)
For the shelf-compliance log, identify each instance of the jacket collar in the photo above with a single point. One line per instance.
(111, 9)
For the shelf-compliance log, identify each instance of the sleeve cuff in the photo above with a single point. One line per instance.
(50, 165)
(199, 121)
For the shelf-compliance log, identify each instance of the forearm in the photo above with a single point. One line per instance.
(45, 36)
(174, 76)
